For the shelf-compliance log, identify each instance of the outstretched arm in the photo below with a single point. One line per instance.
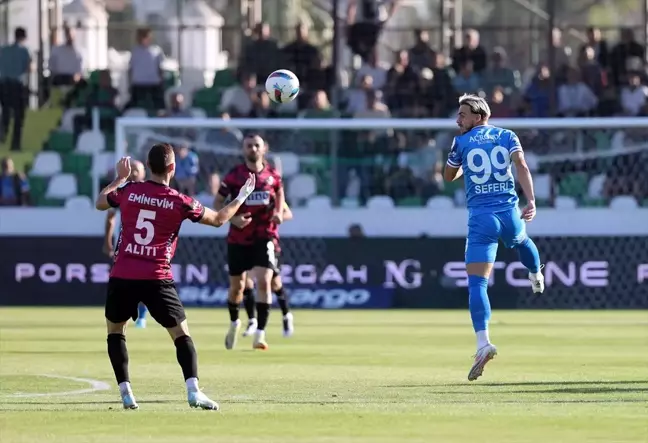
(219, 218)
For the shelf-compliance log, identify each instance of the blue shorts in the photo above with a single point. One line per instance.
(484, 230)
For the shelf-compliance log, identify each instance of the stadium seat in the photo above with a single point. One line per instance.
(90, 142)
(300, 188)
(532, 161)
(287, 162)
(61, 141)
(80, 202)
(319, 202)
(440, 202)
(350, 203)
(542, 184)
(573, 185)
(624, 202)
(136, 112)
(198, 113)
(380, 202)
(62, 186)
(596, 185)
(46, 164)
(103, 163)
(67, 121)
(565, 202)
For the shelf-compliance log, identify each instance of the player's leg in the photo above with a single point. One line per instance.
(481, 250)
(141, 316)
(166, 308)
(262, 276)
(249, 301)
(282, 300)
(514, 236)
(120, 306)
(238, 262)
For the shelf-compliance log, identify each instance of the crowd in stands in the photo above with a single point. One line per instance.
(598, 79)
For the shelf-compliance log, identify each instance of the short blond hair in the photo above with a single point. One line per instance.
(476, 104)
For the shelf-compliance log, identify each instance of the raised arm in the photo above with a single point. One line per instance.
(107, 198)
(220, 217)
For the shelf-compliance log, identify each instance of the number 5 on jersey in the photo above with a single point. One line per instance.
(145, 226)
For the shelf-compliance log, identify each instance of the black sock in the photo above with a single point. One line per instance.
(187, 356)
(248, 302)
(118, 355)
(263, 311)
(233, 310)
(282, 299)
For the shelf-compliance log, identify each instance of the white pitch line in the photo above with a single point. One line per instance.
(95, 385)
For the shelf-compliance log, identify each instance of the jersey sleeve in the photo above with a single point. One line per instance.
(454, 156)
(514, 143)
(192, 209)
(116, 197)
(227, 185)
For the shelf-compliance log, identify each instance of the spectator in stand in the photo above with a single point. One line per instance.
(633, 96)
(538, 96)
(402, 84)
(500, 107)
(421, 55)
(187, 168)
(66, 66)
(102, 96)
(300, 56)
(467, 81)
(262, 108)
(594, 75)
(609, 105)
(321, 108)
(562, 57)
(208, 195)
(374, 106)
(499, 75)
(177, 109)
(623, 52)
(320, 77)
(357, 96)
(237, 100)
(471, 50)
(598, 45)
(145, 72)
(365, 20)
(374, 69)
(443, 89)
(14, 187)
(261, 55)
(15, 65)
(575, 98)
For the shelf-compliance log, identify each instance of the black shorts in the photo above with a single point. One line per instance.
(242, 258)
(160, 297)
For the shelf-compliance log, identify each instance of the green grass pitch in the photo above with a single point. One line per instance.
(352, 376)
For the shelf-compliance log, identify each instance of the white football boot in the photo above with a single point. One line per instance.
(483, 356)
(537, 281)
(232, 334)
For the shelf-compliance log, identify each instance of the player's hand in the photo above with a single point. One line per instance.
(123, 168)
(247, 188)
(529, 212)
(241, 220)
(108, 250)
(277, 218)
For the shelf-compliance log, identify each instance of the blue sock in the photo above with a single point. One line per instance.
(529, 255)
(141, 311)
(480, 310)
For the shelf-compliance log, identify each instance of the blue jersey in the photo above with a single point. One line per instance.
(484, 153)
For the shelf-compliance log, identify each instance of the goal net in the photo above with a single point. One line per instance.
(383, 177)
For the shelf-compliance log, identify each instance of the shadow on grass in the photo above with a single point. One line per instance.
(529, 384)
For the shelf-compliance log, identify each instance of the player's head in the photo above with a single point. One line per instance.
(473, 111)
(161, 161)
(254, 148)
(138, 173)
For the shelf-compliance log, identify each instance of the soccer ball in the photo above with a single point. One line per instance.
(282, 86)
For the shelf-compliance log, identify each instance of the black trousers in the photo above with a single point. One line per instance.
(14, 98)
(153, 95)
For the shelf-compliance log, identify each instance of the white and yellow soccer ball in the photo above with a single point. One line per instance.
(282, 86)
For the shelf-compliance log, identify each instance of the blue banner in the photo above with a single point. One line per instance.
(310, 297)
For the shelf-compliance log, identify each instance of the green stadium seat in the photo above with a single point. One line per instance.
(84, 184)
(450, 188)
(171, 79)
(574, 185)
(224, 78)
(207, 99)
(38, 187)
(77, 163)
(409, 202)
(61, 142)
(595, 202)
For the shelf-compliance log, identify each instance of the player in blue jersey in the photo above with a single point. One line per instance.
(483, 154)
(138, 174)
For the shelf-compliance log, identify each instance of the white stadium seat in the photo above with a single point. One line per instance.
(319, 202)
(596, 185)
(301, 187)
(287, 163)
(90, 142)
(103, 163)
(135, 112)
(563, 202)
(198, 113)
(440, 202)
(80, 203)
(350, 203)
(624, 202)
(542, 184)
(67, 122)
(46, 164)
(62, 186)
(380, 202)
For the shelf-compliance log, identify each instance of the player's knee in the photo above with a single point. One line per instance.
(237, 286)
(179, 330)
(116, 328)
(249, 283)
(275, 284)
